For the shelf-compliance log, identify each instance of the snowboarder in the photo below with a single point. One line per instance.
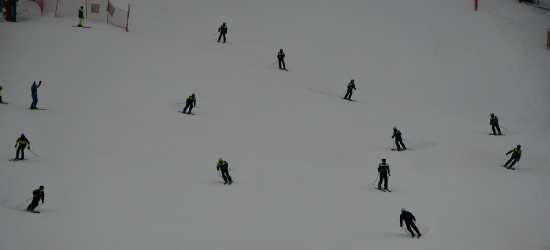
(191, 100)
(281, 57)
(494, 123)
(224, 168)
(383, 171)
(34, 93)
(409, 219)
(80, 15)
(22, 141)
(351, 87)
(398, 139)
(223, 30)
(38, 194)
(516, 155)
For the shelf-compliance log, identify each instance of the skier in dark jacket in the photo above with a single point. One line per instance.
(351, 87)
(398, 139)
(384, 171)
(281, 57)
(494, 124)
(38, 194)
(191, 100)
(516, 155)
(34, 94)
(223, 30)
(224, 168)
(80, 15)
(409, 219)
(22, 141)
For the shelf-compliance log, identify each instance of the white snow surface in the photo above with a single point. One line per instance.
(122, 169)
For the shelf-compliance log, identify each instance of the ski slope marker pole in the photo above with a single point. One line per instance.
(376, 179)
(33, 152)
(25, 202)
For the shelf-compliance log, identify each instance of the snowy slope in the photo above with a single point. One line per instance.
(122, 169)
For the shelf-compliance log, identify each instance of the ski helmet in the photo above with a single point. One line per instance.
(193, 94)
(41, 187)
(383, 159)
(394, 127)
(223, 22)
(492, 114)
(220, 159)
(0, 86)
(403, 210)
(352, 80)
(281, 50)
(519, 146)
(22, 135)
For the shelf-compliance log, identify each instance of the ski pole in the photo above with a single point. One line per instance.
(503, 127)
(231, 169)
(274, 62)
(406, 231)
(39, 205)
(376, 179)
(219, 174)
(33, 152)
(25, 202)
(392, 143)
(406, 140)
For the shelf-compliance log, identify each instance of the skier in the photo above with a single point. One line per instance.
(223, 30)
(351, 87)
(80, 15)
(37, 195)
(224, 167)
(494, 123)
(22, 141)
(191, 100)
(398, 139)
(408, 218)
(383, 171)
(281, 57)
(516, 155)
(34, 93)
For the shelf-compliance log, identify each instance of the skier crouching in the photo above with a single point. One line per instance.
(409, 219)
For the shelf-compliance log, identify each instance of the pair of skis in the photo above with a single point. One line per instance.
(497, 134)
(398, 149)
(186, 113)
(384, 190)
(4, 103)
(349, 99)
(17, 159)
(507, 167)
(82, 26)
(227, 183)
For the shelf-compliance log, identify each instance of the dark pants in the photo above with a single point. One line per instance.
(513, 159)
(33, 204)
(34, 101)
(22, 149)
(498, 128)
(350, 92)
(282, 60)
(411, 224)
(0, 98)
(383, 177)
(225, 174)
(221, 34)
(399, 141)
(188, 105)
